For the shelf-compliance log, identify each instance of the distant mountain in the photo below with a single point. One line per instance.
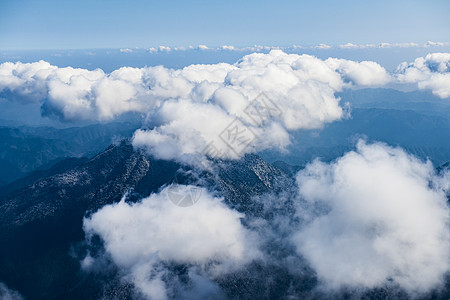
(423, 135)
(41, 224)
(9, 123)
(417, 121)
(25, 149)
(421, 101)
(60, 167)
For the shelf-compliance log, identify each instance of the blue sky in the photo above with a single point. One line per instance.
(50, 24)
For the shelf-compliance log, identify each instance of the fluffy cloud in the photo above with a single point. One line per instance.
(299, 87)
(298, 90)
(365, 73)
(382, 217)
(144, 237)
(76, 94)
(26, 81)
(430, 72)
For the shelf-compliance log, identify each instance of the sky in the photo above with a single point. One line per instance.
(84, 24)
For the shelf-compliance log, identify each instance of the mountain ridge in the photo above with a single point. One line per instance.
(42, 222)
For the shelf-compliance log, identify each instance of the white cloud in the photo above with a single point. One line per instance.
(406, 45)
(382, 45)
(226, 47)
(260, 48)
(75, 94)
(385, 45)
(164, 49)
(365, 73)
(202, 47)
(301, 87)
(383, 217)
(349, 46)
(436, 44)
(323, 46)
(26, 81)
(126, 50)
(142, 237)
(431, 72)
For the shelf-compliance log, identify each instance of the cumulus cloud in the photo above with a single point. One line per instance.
(365, 73)
(144, 238)
(76, 94)
(431, 72)
(26, 81)
(301, 87)
(175, 101)
(382, 218)
(178, 103)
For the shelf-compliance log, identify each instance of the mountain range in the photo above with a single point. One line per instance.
(52, 179)
(41, 216)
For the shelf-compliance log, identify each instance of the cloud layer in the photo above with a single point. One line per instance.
(144, 237)
(178, 103)
(382, 218)
(258, 48)
(214, 109)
